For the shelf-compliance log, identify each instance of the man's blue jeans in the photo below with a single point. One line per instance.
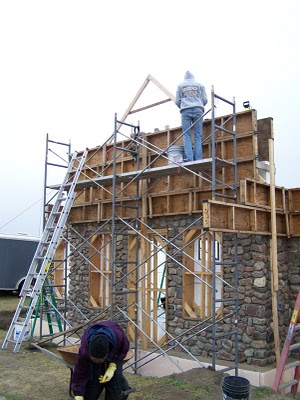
(190, 116)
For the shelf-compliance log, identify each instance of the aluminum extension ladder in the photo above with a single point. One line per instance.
(287, 347)
(45, 252)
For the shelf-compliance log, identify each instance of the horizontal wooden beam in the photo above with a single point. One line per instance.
(225, 217)
(257, 194)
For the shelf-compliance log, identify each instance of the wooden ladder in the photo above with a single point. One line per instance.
(287, 347)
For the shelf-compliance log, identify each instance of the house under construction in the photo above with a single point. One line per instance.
(200, 257)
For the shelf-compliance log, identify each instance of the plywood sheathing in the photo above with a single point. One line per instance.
(174, 190)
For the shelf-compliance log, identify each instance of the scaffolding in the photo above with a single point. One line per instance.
(136, 283)
(128, 258)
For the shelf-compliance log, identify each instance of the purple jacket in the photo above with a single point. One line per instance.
(82, 368)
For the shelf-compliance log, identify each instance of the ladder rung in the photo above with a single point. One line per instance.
(11, 341)
(220, 335)
(126, 206)
(288, 384)
(52, 311)
(125, 291)
(24, 307)
(27, 290)
(226, 300)
(225, 196)
(295, 346)
(292, 365)
(120, 262)
(297, 327)
(226, 263)
(227, 369)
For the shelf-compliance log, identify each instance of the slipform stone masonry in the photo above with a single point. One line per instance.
(255, 334)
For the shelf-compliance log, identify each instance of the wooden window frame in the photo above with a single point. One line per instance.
(100, 271)
(197, 275)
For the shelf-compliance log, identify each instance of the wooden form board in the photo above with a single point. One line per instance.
(264, 132)
(225, 217)
(294, 211)
(257, 194)
(99, 160)
(171, 189)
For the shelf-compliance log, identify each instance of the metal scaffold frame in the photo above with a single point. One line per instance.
(47, 304)
(139, 228)
(127, 277)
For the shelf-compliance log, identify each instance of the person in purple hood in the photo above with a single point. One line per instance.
(103, 348)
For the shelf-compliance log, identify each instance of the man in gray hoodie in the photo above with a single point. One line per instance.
(191, 98)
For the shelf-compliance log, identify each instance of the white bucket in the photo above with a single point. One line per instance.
(175, 154)
(18, 329)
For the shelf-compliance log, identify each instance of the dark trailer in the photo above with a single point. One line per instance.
(16, 254)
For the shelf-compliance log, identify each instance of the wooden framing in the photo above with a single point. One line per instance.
(152, 285)
(225, 217)
(168, 188)
(130, 110)
(181, 189)
(197, 275)
(257, 194)
(99, 271)
(59, 272)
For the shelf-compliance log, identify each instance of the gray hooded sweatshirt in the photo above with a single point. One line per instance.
(190, 93)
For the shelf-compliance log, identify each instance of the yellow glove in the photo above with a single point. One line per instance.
(79, 398)
(109, 373)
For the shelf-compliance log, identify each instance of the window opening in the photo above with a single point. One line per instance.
(198, 259)
(100, 270)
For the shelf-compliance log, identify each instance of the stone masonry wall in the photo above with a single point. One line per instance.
(255, 334)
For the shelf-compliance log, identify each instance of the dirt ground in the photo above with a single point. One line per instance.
(32, 375)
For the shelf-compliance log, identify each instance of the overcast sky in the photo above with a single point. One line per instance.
(68, 66)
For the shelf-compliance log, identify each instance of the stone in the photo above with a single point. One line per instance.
(259, 265)
(259, 335)
(259, 344)
(227, 344)
(259, 321)
(255, 311)
(195, 351)
(246, 339)
(223, 355)
(259, 362)
(294, 279)
(249, 353)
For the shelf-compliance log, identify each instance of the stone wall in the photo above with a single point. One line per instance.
(255, 334)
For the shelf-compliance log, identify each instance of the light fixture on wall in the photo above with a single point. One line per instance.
(246, 104)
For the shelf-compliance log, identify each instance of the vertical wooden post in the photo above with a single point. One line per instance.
(273, 253)
(144, 250)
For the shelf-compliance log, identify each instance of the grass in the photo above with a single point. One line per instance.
(266, 393)
(201, 392)
(9, 397)
(8, 301)
(150, 387)
(171, 380)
